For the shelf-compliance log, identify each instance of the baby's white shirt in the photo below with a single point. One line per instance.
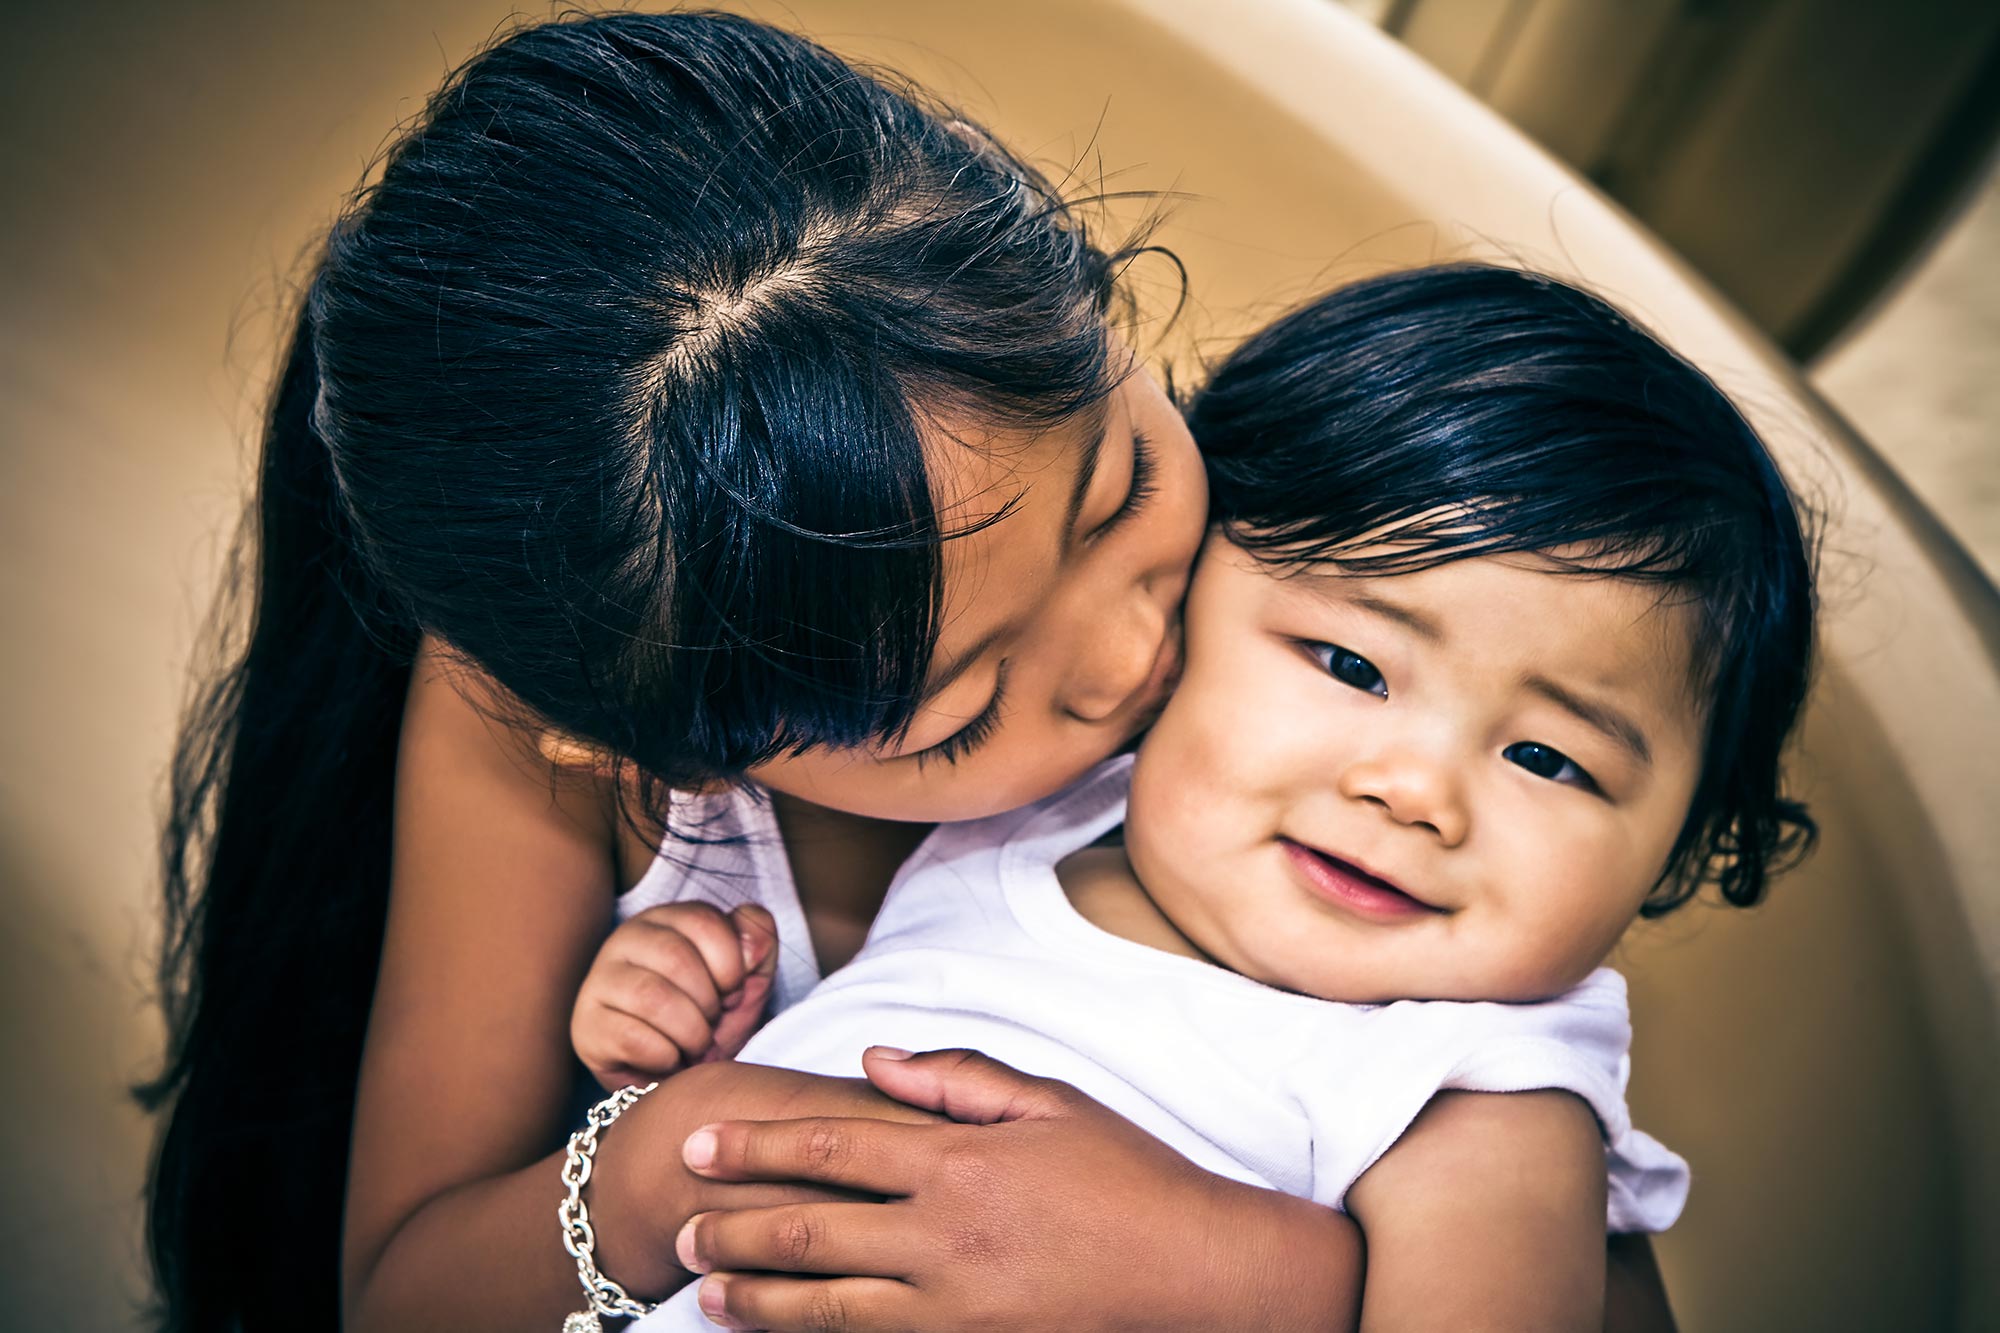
(977, 945)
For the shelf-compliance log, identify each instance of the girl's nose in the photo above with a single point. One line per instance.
(1118, 660)
(1414, 789)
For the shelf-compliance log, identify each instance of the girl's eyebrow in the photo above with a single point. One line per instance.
(1086, 469)
(944, 679)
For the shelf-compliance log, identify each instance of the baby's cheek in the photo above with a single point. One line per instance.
(1567, 933)
(1163, 787)
(1178, 793)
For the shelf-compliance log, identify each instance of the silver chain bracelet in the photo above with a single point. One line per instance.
(602, 1295)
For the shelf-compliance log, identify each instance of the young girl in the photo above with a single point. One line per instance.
(1502, 626)
(682, 395)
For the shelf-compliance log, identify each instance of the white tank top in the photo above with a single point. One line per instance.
(724, 848)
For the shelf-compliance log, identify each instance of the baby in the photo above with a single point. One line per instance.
(1501, 627)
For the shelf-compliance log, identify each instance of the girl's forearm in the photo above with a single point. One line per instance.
(488, 1254)
(484, 1255)
(1288, 1263)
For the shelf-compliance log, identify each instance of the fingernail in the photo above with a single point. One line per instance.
(889, 1052)
(684, 1247)
(713, 1296)
(699, 1150)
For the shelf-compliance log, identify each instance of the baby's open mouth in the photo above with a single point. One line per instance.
(1348, 885)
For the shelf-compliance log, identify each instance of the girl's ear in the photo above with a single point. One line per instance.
(567, 752)
(580, 758)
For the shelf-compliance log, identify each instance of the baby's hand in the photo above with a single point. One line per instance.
(674, 986)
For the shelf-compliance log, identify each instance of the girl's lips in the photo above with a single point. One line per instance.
(1353, 888)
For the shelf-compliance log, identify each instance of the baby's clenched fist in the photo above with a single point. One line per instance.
(676, 985)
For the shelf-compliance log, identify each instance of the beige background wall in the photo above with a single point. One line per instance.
(166, 164)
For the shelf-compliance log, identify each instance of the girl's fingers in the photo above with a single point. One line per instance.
(872, 1156)
(970, 1087)
(808, 1305)
(834, 1239)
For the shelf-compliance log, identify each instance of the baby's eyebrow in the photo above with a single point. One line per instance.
(1600, 716)
(1409, 617)
(1346, 590)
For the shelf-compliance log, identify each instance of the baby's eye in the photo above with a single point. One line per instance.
(1547, 762)
(1350, 668)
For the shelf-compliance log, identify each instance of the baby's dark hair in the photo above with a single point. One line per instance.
(1475, 410)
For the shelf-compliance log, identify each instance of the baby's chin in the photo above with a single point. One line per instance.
(1523, 985)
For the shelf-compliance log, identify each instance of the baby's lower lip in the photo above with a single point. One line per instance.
(1352, 888)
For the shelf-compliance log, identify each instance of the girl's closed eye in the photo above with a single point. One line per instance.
(1349, 668)
(1145, 481)
(973, 734)
(1545, 761)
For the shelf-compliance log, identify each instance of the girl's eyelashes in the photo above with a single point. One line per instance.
(1145, 481)
(1546, 761)
(973, 734)
(1350, 668)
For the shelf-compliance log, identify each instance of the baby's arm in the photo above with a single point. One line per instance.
(676, 985)
(1489, 1213)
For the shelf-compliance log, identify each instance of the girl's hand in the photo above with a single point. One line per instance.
(1040, 1205)
(674, 986)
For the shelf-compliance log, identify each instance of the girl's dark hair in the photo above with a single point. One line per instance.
(1476, 410)
(617, 382)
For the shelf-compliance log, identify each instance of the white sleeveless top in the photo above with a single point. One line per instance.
(724, 848)
(977, 945)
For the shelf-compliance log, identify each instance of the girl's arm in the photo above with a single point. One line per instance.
(1039, 1207)
(1043, 1200)
(1489, 1212)
(502, 890)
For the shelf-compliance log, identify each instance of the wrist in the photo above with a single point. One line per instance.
(1283, 1263)
(640, 1194)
